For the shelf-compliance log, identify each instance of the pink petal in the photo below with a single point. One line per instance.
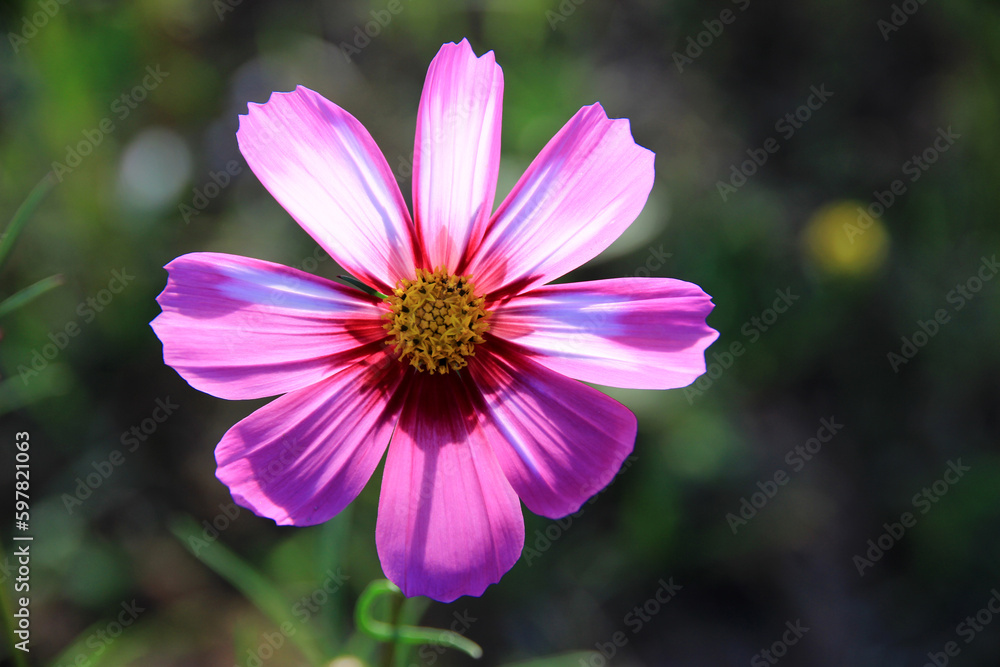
(582, 191)
(243, 328)
(457, 152)
(449, 523)
(642, 333)
(558, 441)
(303, 457)
(321, 164)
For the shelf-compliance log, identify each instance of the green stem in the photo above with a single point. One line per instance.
(22, 214)
(29, 294)
(389, 658)
(405, 634)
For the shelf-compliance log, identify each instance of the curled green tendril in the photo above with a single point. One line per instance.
(405, 634)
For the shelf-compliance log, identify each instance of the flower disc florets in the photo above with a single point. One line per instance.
(436, 321)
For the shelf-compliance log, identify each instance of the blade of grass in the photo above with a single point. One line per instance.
(22, 214)
(334, 535)
(17, 392)
(248, 581)
(29, 294)
(108, 652)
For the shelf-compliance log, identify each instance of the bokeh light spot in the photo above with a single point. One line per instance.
(843, 238)
(155, 166)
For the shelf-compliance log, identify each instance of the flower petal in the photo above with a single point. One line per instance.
(582, 191)
(449, 523)
(457, 152)
(241, 328)
(321, 164)
(303, 457)
(641, 333)
(558, 441)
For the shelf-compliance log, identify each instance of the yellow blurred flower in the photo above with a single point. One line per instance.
(843, 238)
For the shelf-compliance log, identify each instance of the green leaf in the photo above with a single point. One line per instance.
(22, 214)
(354, 282)
(17, 392)
(248, 581)
(332, 552)
(29, 294)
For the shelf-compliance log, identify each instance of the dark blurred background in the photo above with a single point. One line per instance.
(827, 171)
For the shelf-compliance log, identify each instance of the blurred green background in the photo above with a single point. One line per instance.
(151, 91)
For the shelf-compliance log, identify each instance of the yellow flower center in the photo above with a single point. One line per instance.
(436, 321)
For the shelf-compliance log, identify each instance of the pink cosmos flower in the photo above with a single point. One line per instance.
(469, 372)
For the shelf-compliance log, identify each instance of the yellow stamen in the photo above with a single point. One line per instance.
(436, 321)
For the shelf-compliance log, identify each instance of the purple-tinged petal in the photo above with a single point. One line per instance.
(457, 152)
(324, 168)
(641, 333)
(582, 191)
(242, 328)
(558, 441)
(449, 524)
(304, 456)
